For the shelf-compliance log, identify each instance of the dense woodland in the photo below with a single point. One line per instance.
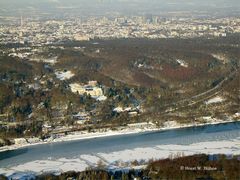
(132, 72)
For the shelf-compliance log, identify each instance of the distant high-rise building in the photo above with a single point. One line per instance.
(21, 40)
(155, 20)
(149, 18)
(21, 22)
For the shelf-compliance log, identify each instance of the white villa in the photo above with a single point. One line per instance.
(90, 89)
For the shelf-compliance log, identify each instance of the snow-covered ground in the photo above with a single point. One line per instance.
(221, 57)
(64, 75)
(216, 99)
(122, 158)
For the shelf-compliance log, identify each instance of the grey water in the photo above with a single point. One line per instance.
(71, 149)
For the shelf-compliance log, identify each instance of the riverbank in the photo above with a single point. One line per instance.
(130, 129)
(119, 152)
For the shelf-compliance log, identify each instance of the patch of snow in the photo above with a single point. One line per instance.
(214, 100)
(221, 57)
(19, 55)
(118, 109)
(52, 60)
(236, 114)
(79, 48)
(101, 98)
(64, 75)
(35, 86)
(43, 166)
(121, 109)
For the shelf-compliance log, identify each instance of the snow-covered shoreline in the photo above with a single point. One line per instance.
(122, 159)
(220, 142)
(86, 135)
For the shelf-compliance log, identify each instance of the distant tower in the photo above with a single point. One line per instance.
(21, 21)
(21, 31)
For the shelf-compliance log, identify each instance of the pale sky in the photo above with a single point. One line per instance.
(123, 6)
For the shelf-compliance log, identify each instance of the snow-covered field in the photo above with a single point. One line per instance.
(123, 158)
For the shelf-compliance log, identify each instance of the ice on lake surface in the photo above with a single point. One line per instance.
(119, 150)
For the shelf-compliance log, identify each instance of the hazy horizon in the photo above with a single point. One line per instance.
(102, 7)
